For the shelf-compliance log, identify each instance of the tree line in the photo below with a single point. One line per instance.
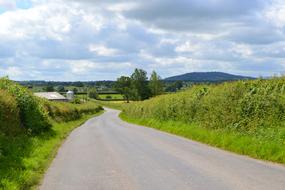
(138, 87)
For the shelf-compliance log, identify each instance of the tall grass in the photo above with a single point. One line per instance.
(246, 108)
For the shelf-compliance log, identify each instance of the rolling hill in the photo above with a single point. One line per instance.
(207, 77)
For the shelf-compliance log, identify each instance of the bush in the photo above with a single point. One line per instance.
(33, 116)
(9, 114)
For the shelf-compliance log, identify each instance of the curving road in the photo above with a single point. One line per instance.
(108, 154)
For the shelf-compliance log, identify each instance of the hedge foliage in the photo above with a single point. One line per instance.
(246, 106)
(62, 111)
(33, 116)
(9, 114)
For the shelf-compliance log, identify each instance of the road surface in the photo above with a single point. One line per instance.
(108, 154)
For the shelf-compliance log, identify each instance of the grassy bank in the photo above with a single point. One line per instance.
(246, 117)
(228, 140)
(25, 158)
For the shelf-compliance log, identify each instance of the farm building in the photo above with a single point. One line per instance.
(52, 96)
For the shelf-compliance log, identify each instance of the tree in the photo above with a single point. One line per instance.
(139, 85)
(174, 86)
(123, 86)
(75, 90)
(178, 84)
(49, 88)
(78, 84)
(60, 89)
(155, 84)
(92, 93)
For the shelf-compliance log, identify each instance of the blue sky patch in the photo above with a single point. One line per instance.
(2, 10)
(24, 4)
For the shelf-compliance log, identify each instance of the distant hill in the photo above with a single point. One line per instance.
(207, 77)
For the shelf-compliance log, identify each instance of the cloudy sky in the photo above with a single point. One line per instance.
(102, 39)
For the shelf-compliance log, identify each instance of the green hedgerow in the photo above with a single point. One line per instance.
(247, 117)
(246, 106)
(33, 116)
(9, 114)
(63, 111)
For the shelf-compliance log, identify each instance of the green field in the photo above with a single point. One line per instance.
(111, 96)
(111, 104)
(247, 117)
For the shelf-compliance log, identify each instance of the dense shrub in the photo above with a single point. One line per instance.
(9, 114)
(246, 106)
(33, 116)
(62, 111)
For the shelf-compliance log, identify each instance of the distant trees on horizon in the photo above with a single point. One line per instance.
(137, 86)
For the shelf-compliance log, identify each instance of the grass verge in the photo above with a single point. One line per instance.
(25, 158)
(254, 146)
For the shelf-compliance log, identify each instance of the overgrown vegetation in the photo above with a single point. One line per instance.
(244, 109)
(9, 114)
(33, 116)
(31, 129)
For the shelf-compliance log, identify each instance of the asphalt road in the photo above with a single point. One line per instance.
(108, 154)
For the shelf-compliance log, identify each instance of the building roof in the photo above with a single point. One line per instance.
(50, 95)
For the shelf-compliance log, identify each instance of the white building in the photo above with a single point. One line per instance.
(52, 96)
(70, 95)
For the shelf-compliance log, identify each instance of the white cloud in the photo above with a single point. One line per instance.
(14, 72)
(276, 13)
(188, 47)
(243, 50)
(42, 21)
(50, 20)
(123, 6)
(102, 50)
(91, 39)
(8, 4)
(81, 66)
